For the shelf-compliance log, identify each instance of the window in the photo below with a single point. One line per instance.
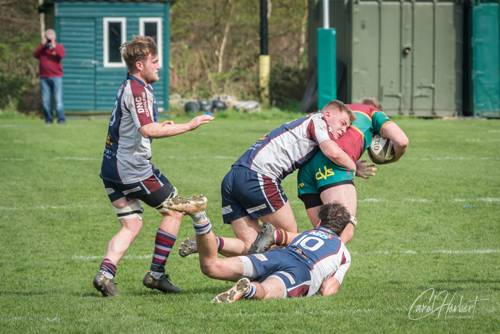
(114, 36)
(151, 27)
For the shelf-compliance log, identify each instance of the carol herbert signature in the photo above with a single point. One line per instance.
(442, 304)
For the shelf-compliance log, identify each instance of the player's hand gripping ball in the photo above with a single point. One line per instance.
(381, 150)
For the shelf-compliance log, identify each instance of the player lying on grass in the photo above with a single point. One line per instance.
(316, 262)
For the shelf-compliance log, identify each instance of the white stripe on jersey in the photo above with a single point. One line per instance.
(328, 266)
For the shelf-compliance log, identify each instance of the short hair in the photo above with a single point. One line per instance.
(334, 216)
(50, 32)
(138, 49)
(342, 107)
(370, 101)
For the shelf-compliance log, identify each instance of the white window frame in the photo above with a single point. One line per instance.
(159, 41)
(106, 21)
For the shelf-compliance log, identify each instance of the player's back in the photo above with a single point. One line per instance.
(286, 148)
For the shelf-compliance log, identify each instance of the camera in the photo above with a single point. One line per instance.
(49, 41)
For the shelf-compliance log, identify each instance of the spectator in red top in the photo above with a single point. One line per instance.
(50, 55)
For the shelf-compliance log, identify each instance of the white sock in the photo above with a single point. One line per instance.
(156, 274)
(199, 217)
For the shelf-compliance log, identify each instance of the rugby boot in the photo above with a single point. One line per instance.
(235, 293)
(264, 240)
(106, 286)
(190, 206)
(188, 247)
(163, 284)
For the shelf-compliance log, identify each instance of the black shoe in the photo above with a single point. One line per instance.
(163, 283)
(264, 241)
(106, 286)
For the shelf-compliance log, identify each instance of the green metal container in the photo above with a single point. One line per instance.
(485, 58)
(407, 54)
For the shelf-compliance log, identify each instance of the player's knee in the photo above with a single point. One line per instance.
(208, 269)
(133, 210)
(162, 208)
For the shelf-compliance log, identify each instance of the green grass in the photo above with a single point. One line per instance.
(415, 232)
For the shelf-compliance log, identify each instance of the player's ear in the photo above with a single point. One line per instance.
(319, 223)
(139, 65)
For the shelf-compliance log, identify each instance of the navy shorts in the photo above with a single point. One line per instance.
(284, 265)
(152, 191)
(248, 193)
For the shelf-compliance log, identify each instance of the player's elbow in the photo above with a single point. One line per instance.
(403, 142)
(333, 155)
(148, 132)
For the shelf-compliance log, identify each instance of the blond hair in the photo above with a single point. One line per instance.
(342, 107)
(370, 101)
(138, 49)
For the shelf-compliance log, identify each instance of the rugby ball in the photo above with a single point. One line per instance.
(381, 150)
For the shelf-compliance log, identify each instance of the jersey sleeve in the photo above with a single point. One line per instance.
(379, 120)
(344, 266)
(318, 130)
(139, 105)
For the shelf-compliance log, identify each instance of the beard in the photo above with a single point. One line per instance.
(150, 77)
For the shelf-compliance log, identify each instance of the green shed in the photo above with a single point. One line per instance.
(407, 54)
(91, 32)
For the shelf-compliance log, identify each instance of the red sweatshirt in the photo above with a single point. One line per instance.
(50, 60)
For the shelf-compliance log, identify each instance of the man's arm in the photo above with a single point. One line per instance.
(393, 132)
(168, 128)
(336, 154)
(60, 51)
(329, 287)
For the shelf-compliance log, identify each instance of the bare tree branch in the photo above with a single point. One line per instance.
(224, 39)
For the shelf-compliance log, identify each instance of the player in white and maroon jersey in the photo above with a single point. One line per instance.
(128, 174)
(316, 261)
(252, 191)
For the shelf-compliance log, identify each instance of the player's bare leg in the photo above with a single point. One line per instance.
(282, 218)
(117, 247)
(270, 288)
(244, 229)
(346, 195)
(206, 242)
(121, 241)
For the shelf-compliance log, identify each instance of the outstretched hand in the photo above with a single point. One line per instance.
(199, 120)
(363, 170)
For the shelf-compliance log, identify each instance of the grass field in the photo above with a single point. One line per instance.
(425, 254)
